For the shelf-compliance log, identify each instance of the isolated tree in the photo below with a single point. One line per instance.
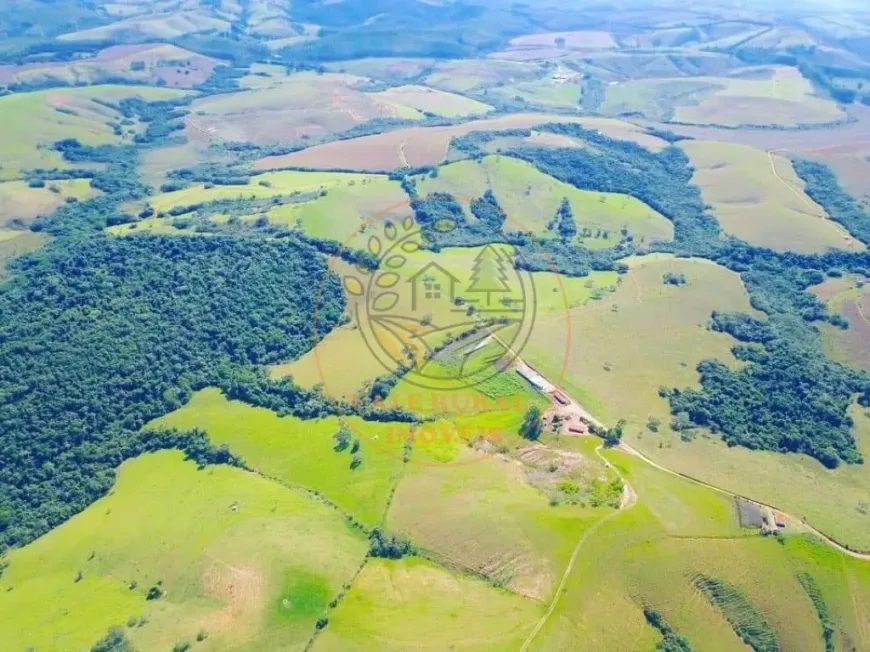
(342, 438)
(114, 641)
(614, 435)
(489, 273)
(565, 224)
(532, 426)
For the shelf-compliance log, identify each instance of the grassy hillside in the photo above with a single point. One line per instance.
(647, 334)
(531, 198)
(244, 560)
(148, 63)
(757, 197)
(301, 453)
(20, 204)
(34, 121)
(407, 604)
(428, 100)
(291, 108)
(757, 96)
(423, 146)
(653, 554)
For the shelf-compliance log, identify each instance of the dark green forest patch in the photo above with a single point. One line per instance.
(99, 336)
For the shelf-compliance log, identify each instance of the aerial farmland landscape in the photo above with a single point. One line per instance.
(436, 325)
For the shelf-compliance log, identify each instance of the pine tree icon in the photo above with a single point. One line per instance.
(489, 273)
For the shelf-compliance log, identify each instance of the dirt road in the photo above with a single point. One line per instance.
(797, 523)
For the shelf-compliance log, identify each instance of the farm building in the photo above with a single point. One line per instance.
(779, 519)
(560, 398)
(536, 379)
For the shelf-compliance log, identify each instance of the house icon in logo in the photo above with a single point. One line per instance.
(432, 284)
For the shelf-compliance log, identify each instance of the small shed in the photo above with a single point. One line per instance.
(779, 519)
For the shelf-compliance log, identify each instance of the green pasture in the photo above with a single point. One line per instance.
(243, 559)
(32, 122)
(834, 501)
(279, 108)
(156, 25)
(467, 74)
(775, 95)
(15, 243)
(333, 205)
(480, 512)
(554, 296)
(391, 69)
(19, 201)
(650, 555)
(545, 92)
(850, 298)
(271, 184)
(430, 100)
(644, 335)
(531, 198)
(759, 198)
(414, 604)
(300, 452)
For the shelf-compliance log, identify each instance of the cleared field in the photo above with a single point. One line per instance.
(263, 186)
(156, 162)
(849, 297)
(652, 553)
(245, 560)
(291, 108)
(332, 205)
(560, 87)
(15, 243)
(579, 40)
(422, 146)
(385, 69)
(781, 38)
(469, 74)
(157, 25)
(644, 335)
(412, 604)
(430, 100)
(21, 204)
(301, 452)
(623, 65)
(759, 198)
(327, 363)
(784, 97)
(835, 502)
(480, 512)
(531, 199)
(149, 63)
(777, 95)
(32, 120)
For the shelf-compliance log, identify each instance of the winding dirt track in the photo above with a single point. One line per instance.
(629, 499)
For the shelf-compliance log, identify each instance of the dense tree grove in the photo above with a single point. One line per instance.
(102, 334)
(671, 640)
(822, 187)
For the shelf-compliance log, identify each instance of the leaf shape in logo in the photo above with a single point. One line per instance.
(390, 231)
(386, 301)
(353, 286)
(395, 262)
(374, 245)
(387, 280)
(408, 223)
(409, 246)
